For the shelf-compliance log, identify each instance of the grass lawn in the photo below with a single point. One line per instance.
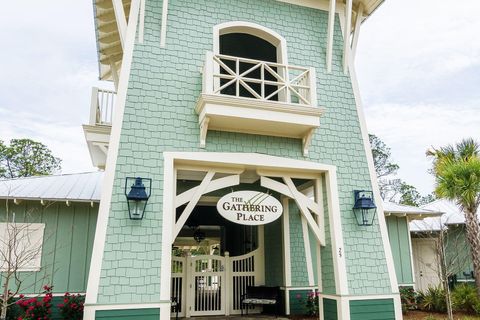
(419, 315)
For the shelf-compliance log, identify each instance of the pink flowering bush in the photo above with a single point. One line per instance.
(72, 306)
(36, 308)
(311, 303)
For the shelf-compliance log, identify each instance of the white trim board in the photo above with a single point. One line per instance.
(359, 297)
(107, 187)
(374, 182)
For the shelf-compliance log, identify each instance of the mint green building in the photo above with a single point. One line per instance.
(399, 219)
(244, 122)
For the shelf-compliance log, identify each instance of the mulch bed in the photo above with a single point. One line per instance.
(421, 315)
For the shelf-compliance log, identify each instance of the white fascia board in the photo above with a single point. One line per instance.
(249, 160)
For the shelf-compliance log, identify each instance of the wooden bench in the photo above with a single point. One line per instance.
(260, 295)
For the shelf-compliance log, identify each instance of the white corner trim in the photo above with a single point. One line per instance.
(330, 33)
(121, 20)
(308, 251)
(376, 191)
(163, 31)
(343, 308)
(286, 243)
(107, 185)
(356, 33)
(410, 248)
(336, 234)
(169, 193)
(320, 219)
(141, 22)
(346, 36)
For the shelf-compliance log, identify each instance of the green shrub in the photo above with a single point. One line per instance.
(476, 307)
(433, 299)
(409, 298)
(464, 298)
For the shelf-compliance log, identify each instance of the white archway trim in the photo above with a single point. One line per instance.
(254, 29)
(217, 184)
(275, 167)
(193, 195)
(303, 202)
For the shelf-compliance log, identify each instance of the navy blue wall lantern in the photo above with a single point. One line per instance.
(137, 196)
(364, 208)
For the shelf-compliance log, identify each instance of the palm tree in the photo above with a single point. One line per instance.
(457, 178)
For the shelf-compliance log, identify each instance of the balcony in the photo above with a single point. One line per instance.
(97, 131)
(258, 97)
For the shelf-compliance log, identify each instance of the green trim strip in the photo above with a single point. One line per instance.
(129, 314)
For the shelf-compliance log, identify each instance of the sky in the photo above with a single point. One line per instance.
(418, 65)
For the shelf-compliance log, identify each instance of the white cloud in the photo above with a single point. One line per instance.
(65, 140)
(409, 130)
(418, 64)
(417, 42)
(49, 55)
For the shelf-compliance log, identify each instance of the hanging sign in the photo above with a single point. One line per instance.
(249, 207)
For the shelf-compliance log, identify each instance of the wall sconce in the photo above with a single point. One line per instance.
(137, 197)
(364, 208)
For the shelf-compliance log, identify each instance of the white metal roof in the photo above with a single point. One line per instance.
(452, 215)
(73, 187)
(391, 208)
(426, 225)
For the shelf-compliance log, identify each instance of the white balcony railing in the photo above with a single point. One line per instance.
(260, 80)
(257, 97)
(102, 104)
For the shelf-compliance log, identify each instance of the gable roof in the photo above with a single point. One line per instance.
(82, 187)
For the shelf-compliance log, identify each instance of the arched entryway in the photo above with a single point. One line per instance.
(212, 277)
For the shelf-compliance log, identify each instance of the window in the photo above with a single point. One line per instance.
(252, 53)
(21, 246)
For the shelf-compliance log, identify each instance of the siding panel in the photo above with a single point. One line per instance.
(330, 309)
(381, 309)
(67, 244)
